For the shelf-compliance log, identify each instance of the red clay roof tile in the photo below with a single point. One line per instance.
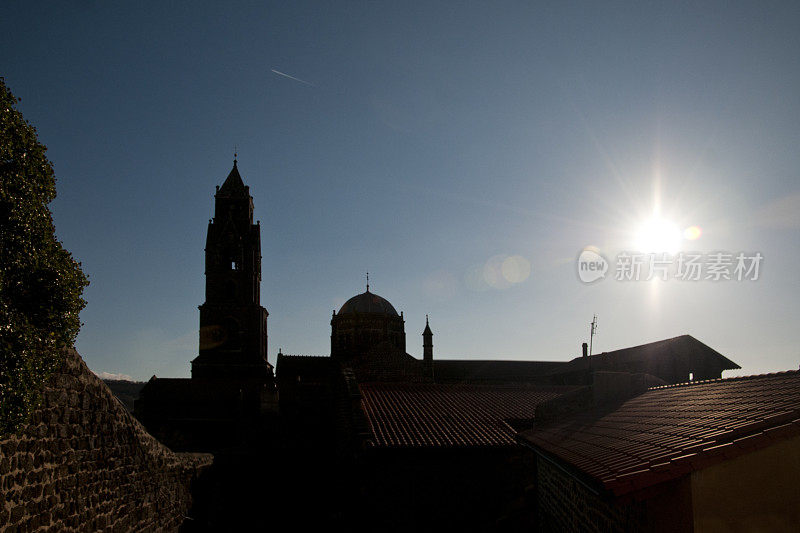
(674, 429)
(414, 415)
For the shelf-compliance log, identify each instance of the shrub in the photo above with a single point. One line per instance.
(40, 283)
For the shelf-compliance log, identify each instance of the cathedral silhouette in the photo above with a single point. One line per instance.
(370, 435)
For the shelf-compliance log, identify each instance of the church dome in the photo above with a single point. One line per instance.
(368, 302)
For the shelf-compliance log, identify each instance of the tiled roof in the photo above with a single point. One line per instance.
(669, 431)
(404, 415)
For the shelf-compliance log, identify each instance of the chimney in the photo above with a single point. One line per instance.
(585, 349)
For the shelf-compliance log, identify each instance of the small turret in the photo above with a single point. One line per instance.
(427, 344)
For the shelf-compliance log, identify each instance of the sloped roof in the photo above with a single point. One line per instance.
(669, 431)
(619, 360)
(230, 358)
(483, 371)
(404, 415)
(306, 365)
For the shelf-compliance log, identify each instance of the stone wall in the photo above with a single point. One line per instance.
(83, 463)
(564, 504)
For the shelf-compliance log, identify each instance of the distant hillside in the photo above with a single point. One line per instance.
(126, 391)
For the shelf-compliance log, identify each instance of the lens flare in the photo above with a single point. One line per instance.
(516, 269)
(692, 233)
(498, 272)
(493, 272)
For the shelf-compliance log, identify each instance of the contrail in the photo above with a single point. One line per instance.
(279, 73)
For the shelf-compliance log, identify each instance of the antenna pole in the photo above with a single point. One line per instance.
(592, 331)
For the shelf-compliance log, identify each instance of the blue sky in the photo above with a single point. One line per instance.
(426, 143)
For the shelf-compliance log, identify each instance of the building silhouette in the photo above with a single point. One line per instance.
(232, 386)
(233, 324)
(371, 436)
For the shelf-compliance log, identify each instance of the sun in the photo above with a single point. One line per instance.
(658, 235)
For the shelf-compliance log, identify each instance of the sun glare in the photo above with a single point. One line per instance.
(658, 235)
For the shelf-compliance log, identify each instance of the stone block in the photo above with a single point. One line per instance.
(17, 513)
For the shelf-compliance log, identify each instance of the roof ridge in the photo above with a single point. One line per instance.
(648, 344)
(732, 378)
(445, 359)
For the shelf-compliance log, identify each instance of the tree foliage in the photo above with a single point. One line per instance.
(40, 283)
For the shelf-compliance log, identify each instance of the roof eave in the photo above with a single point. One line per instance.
(592, 484)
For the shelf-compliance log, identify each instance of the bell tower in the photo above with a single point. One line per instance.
(233, 324)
